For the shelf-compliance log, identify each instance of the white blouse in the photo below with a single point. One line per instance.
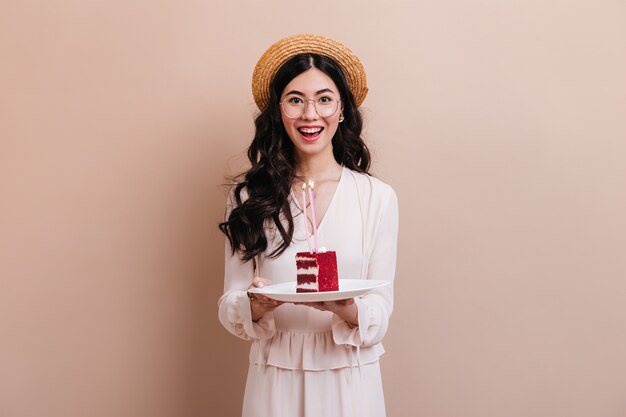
(361, 226)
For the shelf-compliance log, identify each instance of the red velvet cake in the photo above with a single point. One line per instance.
(317, 272)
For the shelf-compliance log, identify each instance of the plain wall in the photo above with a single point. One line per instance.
(499, 123)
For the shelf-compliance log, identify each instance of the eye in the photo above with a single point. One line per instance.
(326, 100)
(294, 100)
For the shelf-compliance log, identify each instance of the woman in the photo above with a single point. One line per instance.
(309, 359)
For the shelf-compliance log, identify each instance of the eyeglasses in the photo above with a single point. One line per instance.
(294, 106)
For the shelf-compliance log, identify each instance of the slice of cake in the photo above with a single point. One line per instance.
(317, 272)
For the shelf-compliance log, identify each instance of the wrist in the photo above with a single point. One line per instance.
(350, 314)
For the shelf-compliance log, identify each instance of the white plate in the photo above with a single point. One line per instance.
(348, 288)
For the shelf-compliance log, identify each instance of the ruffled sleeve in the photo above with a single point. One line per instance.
(234, 305)
(375, 308)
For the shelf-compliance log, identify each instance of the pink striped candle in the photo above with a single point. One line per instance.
(312, 198)
(306, 220)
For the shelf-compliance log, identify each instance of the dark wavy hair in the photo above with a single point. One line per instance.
(268, 181)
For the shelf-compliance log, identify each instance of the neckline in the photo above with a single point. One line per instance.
(328, 209)
(332, 201)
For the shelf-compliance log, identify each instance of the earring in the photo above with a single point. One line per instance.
(341, 119)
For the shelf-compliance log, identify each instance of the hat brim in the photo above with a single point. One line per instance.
(286, 48)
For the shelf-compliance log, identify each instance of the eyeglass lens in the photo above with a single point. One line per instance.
(294, 107)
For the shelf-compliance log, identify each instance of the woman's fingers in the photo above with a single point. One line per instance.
(259, 303)
(260, 282)
(261, 299)
(265, 300)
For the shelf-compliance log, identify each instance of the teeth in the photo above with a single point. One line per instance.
(310, 130)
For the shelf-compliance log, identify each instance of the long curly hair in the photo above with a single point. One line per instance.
(268, 182)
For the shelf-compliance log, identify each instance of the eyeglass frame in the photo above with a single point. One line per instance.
(306, 100)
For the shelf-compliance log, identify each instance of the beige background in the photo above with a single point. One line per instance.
(500, 124)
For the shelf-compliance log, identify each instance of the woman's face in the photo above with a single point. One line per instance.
(311, 133)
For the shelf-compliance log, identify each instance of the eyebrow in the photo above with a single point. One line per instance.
(323, 90)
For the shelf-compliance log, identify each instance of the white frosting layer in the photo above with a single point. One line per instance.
(308, 286)
(312, 270)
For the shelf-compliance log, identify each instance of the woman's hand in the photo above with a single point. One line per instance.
(260, 304)
(346, 309)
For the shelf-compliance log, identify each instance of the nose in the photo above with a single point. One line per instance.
(310, 112)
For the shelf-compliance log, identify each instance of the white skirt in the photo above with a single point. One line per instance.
(344, 392)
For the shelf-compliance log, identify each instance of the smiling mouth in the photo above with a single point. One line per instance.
(310, 133)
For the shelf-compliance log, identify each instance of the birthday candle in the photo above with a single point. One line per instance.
(312, 198)
(306, 220)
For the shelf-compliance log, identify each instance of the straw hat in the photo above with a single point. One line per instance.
(288, 47)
